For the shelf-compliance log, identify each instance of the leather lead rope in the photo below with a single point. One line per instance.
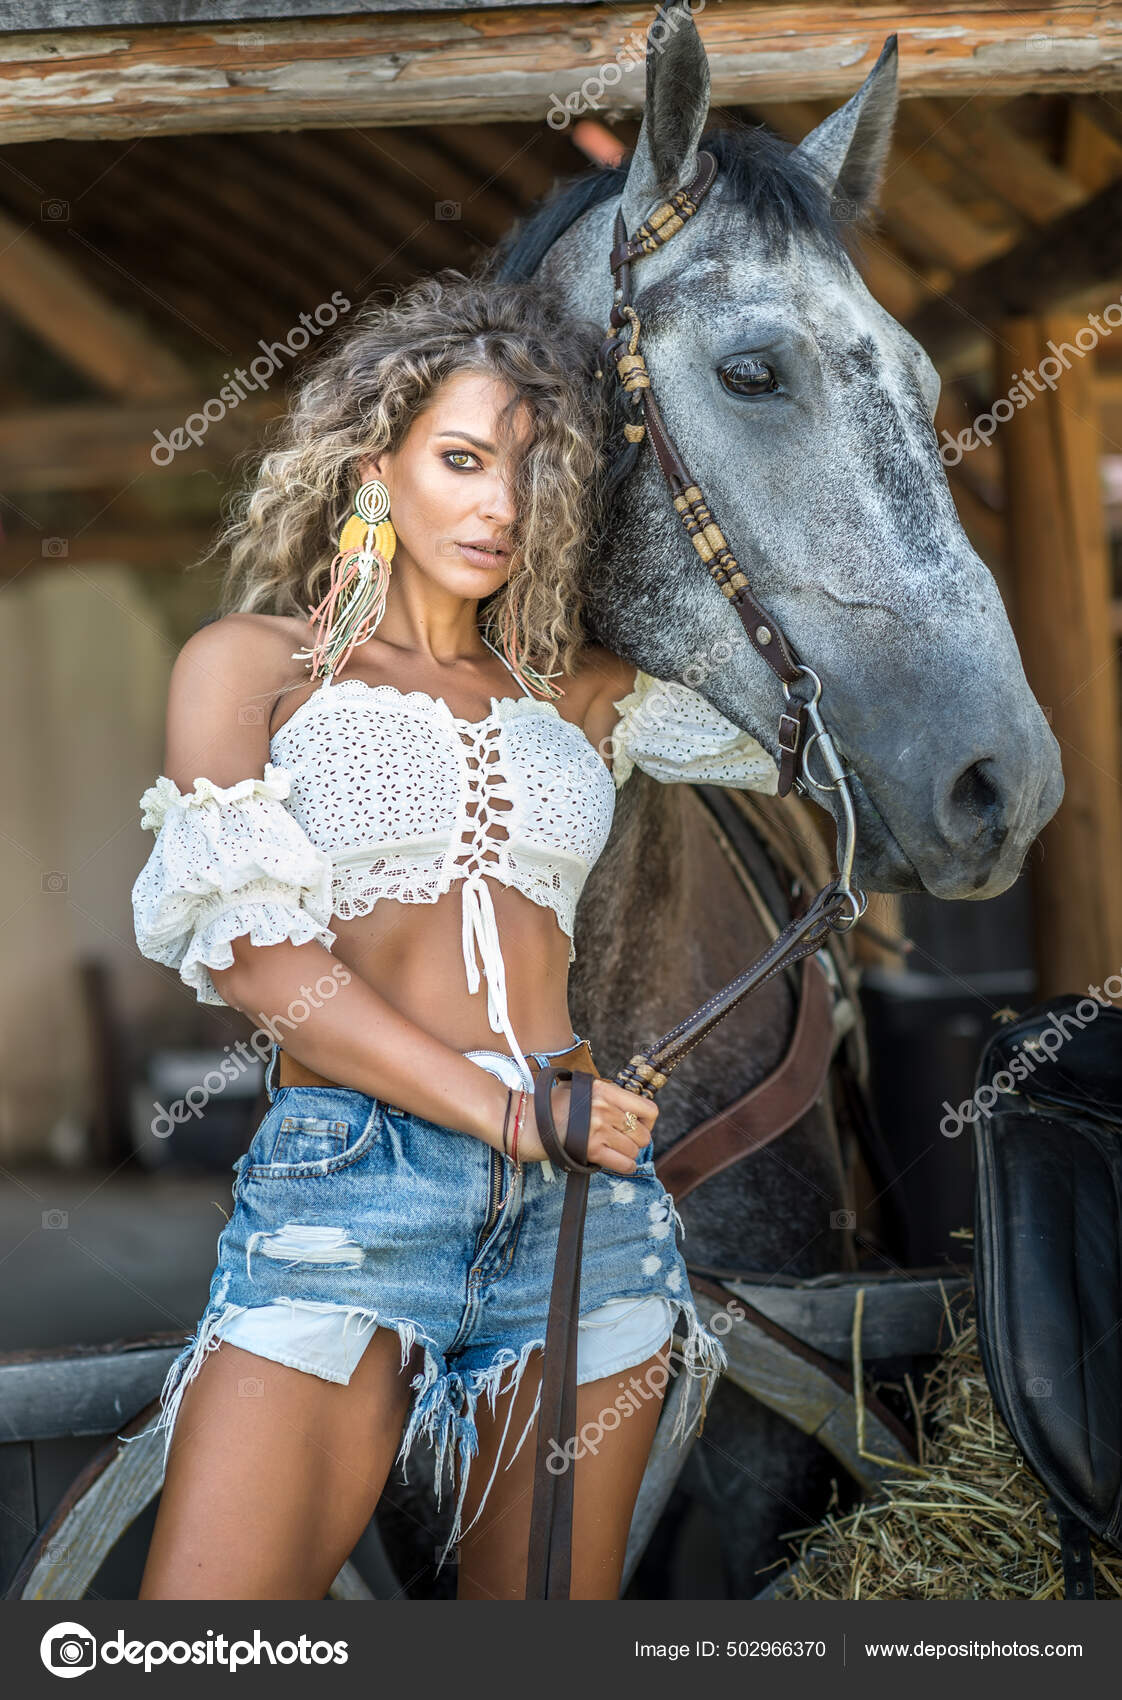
(836, 907)
(551, 1518)
(549, 1555)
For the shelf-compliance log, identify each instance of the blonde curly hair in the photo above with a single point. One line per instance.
(359, 397)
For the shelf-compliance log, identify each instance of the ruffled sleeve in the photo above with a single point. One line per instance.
(674, 734)
(227, 861)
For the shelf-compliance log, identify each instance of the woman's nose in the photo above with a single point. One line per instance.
(499, 504)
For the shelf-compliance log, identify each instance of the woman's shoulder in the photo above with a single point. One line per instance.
(253, 651)
(605, 675)
(223, 685)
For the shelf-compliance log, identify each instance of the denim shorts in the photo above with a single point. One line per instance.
(352, 1214)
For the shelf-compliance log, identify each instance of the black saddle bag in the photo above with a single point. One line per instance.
(1048, 1259)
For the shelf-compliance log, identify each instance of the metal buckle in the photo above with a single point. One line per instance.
(795, 723)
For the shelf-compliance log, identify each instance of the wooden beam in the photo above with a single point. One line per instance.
(88, 14)
(1108, 393)
(1104, 113)
(1058, 555)
(521, 173)
(515, 62)
(1094, 154)
(45, 293)
(90, 447)
(360, 214)
(992, 155)
(145, 247)
(154, 549)
(195, 202)
(416, 161)
(1079, 251)
(932, 225)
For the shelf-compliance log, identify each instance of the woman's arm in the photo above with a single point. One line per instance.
(223, 686)
(240, 863)
(354, 1037)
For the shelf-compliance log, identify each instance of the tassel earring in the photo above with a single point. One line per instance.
(522, 670)
(360, 575)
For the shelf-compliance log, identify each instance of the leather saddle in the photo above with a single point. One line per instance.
(1048, 1259)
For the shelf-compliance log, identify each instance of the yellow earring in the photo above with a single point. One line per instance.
(360, 576)
(372, 507)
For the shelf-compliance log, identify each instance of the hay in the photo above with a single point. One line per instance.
(971, 1526)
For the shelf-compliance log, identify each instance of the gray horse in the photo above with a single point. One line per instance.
(805, 411)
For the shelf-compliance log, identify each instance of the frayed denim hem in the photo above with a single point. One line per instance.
(444, 1410)
(702, 1356)
(208, 1338)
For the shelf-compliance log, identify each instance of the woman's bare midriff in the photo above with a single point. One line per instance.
(412, 955)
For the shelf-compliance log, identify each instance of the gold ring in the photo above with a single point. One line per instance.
(630, 1119)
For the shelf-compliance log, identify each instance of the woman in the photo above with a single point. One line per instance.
(372, 832)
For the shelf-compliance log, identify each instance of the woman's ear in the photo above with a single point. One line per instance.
(369, 467)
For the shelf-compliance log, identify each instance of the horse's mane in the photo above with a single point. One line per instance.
(761, 172)
(781, 193)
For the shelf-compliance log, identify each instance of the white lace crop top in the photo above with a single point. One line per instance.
(371, 793)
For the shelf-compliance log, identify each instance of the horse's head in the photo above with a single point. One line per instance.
(804, 410)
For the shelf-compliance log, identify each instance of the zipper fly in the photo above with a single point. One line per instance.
(496, 1198)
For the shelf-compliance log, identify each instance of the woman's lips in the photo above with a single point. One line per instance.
(480, 557)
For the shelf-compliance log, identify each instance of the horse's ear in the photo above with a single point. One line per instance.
(677, 106)
(849, 149)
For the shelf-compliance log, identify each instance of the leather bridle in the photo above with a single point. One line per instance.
(837, 907)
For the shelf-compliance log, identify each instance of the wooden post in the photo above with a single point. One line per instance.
(1060, 571)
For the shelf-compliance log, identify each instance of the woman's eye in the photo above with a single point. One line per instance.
(748, 375)
(464, 454)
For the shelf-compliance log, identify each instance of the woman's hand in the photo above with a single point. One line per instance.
(611, 1143)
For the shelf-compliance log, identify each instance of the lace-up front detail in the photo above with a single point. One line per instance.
(406, 798)
(489, 797)
(372, 792)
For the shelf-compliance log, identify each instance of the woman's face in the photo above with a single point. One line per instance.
(450, 486)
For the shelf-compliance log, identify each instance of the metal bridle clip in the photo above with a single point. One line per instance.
(839, 778)
(833, 764)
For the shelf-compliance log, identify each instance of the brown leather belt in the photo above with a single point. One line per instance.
(549, 1555)
(293, 1073)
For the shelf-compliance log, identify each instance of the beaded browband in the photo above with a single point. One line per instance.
(622, 342)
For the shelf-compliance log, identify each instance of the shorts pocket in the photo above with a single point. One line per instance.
(309, 1131)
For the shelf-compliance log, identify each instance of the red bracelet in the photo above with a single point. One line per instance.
(517, 1126)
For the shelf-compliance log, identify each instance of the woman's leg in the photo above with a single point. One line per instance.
(273, 1474)
(608, 1470)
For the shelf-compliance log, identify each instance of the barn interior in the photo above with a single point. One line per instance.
(150, 249)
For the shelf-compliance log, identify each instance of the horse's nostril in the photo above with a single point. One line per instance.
(975, 804)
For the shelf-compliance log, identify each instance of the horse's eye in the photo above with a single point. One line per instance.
(748, 375)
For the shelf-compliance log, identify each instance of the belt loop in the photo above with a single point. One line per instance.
(270, 1071)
